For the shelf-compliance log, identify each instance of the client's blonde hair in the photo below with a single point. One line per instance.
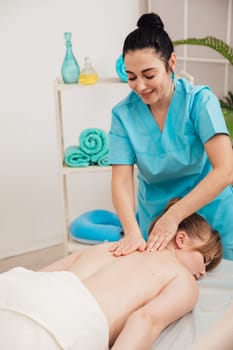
(197, 227)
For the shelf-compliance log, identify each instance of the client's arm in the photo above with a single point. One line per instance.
(145, 324)
(220, 336)
(62, 264)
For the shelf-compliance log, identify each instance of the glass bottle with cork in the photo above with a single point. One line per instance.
(70, 69)
(88, 75)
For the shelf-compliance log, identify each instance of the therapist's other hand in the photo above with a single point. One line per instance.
(162, 233)
(128, 245)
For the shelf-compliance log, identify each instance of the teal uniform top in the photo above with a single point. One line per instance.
(173, 161)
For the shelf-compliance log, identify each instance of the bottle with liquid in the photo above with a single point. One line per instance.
(88, 75)
(70, 69)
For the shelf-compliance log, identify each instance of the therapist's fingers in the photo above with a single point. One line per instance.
(118, 245)
(114, 246)
(164, 243)
(154, 243)
(124, 250)
(163, 230)
(128, 245)
(158, 242)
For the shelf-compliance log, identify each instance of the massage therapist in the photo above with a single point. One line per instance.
(176, 135)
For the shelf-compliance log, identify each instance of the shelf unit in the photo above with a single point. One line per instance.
(64, 170)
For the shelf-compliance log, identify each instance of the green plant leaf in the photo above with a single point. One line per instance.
(214, 43)
(227, 101)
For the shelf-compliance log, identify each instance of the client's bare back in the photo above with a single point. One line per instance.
(123, 284)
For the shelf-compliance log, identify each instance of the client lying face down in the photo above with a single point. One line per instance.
(93, 300)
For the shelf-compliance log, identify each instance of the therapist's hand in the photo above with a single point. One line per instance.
(128, 245)
(162, 233)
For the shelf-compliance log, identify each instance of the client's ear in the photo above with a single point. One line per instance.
(181, 239)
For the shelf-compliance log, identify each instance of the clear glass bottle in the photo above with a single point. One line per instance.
(88, 75)
(70, 69)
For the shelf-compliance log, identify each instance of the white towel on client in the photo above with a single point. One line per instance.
(55, 304)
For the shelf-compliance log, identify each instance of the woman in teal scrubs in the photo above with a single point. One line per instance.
(176, 135)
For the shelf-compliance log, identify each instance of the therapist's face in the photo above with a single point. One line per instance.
(147, 75)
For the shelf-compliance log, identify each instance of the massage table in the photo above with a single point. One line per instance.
(216, 295)
(216, 288)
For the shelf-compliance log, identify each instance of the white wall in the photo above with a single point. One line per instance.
(32, 51)
(197, 19)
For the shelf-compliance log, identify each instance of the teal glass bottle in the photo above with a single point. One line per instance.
(70, 69)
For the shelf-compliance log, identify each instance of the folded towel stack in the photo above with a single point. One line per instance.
(92, 150)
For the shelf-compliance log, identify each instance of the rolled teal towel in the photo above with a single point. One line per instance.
(75, 157)
(94, 142)
(103, 160)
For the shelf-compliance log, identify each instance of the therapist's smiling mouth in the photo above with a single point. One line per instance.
(147, 94)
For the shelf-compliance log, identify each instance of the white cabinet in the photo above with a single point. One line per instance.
(94, 103)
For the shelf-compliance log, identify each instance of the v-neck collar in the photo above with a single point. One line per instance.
(149, 123)
(149, 120)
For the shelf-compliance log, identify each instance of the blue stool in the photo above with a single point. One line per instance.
(96, 226)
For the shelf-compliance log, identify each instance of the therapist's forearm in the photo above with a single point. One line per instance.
(124, 203)
(219, 152)
(201, 195)
(125, 209)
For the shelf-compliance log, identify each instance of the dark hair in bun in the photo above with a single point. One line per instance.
(150, 20)
(150, 34)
